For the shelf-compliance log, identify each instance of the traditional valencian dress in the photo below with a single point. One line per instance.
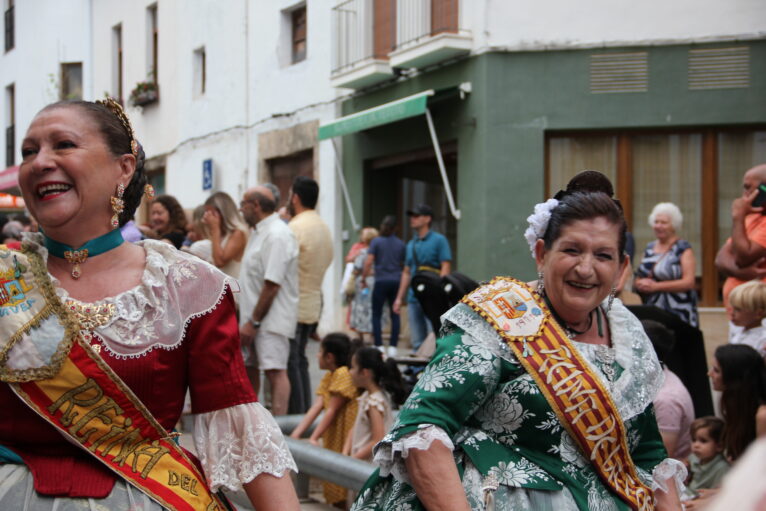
(509, 444)
(175, 331)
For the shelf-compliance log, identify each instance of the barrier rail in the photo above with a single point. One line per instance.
(322, 463)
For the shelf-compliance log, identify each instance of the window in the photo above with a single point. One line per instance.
(117, 90)
(298, 17)
(698, 170)
(71, 80)
(199, 71)
(10, 125)
(9, 26)
(152, 34)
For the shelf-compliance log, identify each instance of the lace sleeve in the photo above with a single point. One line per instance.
(669, 468)
(237, 444)
(390, 455)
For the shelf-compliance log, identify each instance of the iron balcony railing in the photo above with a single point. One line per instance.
(419, 19)
(353, 31)
(10, 143)
(9, 29)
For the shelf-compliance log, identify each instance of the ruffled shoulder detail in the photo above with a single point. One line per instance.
(175, 288)
(340, 383)
(377, 400)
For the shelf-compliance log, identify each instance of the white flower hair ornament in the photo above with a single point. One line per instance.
(538, 222)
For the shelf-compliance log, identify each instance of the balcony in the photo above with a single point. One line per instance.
(364, 35)
(427, 32)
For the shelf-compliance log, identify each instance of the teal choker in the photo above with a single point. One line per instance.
(92, 248)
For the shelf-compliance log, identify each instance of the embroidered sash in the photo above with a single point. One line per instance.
(582, 404)
(55, 372)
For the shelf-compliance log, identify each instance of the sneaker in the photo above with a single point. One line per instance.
(392, 352)
(381, 348)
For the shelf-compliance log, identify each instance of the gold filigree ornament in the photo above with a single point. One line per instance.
(76, 258)
(90, 316)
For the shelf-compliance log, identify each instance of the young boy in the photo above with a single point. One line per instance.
(706, 463)
(748, 309)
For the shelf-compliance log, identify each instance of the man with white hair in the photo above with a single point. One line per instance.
(269, 302)
(743, 256)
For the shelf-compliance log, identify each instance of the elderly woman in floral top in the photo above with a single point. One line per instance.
(539, 396)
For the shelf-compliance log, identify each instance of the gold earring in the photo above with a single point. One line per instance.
(149, 191)
(118, 205)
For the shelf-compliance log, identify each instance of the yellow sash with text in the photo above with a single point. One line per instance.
(582, 404)
(78, 393)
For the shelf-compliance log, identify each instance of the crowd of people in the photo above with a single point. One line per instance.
(547, 394)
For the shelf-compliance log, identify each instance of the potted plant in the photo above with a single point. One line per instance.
(144, 93)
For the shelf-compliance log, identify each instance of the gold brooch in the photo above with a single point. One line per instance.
(91, 316)
(76, 257)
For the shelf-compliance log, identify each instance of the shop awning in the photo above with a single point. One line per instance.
(404, 108)
(377, 116)
(8, 201)
(9, 178)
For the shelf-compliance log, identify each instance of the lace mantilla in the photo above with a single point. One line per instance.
(235, 445)
(175, 288)
(642, 374)
(390, 455)
(668, 469)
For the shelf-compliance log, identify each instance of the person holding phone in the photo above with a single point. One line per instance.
(665, 277)
(742, 257)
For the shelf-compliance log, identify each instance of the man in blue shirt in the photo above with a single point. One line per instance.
(427, 251)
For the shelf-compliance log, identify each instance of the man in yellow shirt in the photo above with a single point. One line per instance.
(315, 255)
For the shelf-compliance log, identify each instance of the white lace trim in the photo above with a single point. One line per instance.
(667, 469)
(237, 444)
(642, 374)
(390, 455)
(175, 288)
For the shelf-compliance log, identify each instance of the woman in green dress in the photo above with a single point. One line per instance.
(539, 396)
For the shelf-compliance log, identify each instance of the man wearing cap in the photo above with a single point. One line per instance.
(426, 251)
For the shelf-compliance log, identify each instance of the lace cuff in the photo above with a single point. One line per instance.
(237, 444)
(667, 469)
(390, 455)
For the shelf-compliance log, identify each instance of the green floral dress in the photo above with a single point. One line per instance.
(480, 402)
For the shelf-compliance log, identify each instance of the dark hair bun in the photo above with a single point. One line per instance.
(590, 181)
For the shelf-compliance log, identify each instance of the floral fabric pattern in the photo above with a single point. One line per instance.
(497, 422)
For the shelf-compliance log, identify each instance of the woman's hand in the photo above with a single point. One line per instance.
(645, 285)
(212, 218)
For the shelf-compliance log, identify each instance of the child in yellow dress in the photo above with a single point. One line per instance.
(336, 395)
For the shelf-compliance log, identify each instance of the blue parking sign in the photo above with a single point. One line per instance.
(207, 174)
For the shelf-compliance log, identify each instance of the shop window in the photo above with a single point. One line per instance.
(71, 80)
(698, 170)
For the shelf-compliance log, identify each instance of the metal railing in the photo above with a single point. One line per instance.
(353, 32)
(10, 143)
(322, 463)
(418, 19)
(9, 29)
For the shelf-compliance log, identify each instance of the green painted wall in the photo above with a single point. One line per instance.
(500, 132)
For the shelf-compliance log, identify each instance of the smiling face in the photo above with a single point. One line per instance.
(580, 267)
(68, 174)
(159, 216)
(663, 227)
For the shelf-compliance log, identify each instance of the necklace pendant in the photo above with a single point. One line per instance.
(76, 257)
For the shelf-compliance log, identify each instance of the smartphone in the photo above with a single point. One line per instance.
(760, 199)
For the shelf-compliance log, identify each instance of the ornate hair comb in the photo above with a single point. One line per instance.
(117, 110)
